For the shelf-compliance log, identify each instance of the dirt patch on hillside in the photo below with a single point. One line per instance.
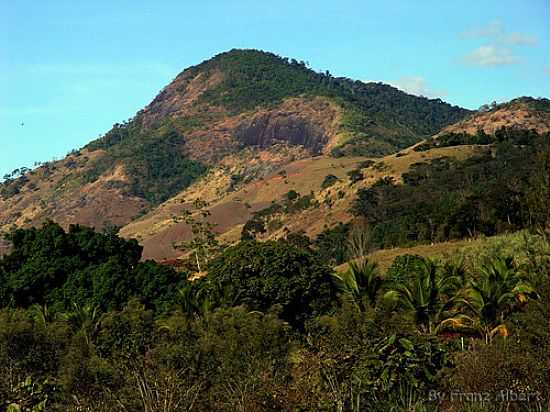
(178, 98)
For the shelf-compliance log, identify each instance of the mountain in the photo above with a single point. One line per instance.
(239, 131)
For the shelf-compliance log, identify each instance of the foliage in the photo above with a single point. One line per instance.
(331, 245)
(52, 267)
(429, 297)
(261, 275)
(85, 325)
(449, 199)
(397, 359)
(364, 363)
(203, 244)
(355, 176)
(360, 284)
(496, 292)
(260, 222)
(511, 135)
(503, 367)
(254, 78)
(328, 181)
(404, 268)
(154, 160)
(170, 351)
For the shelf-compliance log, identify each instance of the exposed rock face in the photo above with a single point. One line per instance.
(281, 127)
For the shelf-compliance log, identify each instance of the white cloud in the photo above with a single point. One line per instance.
(519, 39)
(500, 45)
(496, 32)
(491, 55)
(492, 29)
(416, 85)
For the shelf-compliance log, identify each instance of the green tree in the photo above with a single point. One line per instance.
(329, 181)
(495, 293)
(84, 320)
(203, 244)
(360, 284)
(261, 275)
(429, 297)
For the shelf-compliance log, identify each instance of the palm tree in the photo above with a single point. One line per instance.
(360, 284)
(41, 314)
(194, 300)
(497, 291)
(430, 297)
(84, 319)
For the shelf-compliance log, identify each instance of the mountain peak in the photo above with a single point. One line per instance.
(243, 113)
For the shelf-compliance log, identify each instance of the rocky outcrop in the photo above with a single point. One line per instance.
(281, 127)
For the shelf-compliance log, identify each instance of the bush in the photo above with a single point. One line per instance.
(501, 366)
(329, 181)
(404, 268)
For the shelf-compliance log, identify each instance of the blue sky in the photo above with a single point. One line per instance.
(70, 69)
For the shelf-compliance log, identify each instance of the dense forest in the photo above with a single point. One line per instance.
(501, 189)
(154, 160)
(255, 78)
(86, 326)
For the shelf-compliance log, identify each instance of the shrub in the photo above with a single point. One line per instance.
(329, 181)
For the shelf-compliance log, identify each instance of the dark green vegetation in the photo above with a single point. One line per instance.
(329, 181)
(500, 190)
(264, 275)
(255, 78)
(268, 218)
(85, 326)
(154, 160)
(539, 104)
(59, 270)
(503, 135)
(11, 183)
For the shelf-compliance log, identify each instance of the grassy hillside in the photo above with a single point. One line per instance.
(471, 252)
(443, 199)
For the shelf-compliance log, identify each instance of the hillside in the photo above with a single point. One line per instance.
(519, 121)
(523, 112)
(244, 114)
(231, 209)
